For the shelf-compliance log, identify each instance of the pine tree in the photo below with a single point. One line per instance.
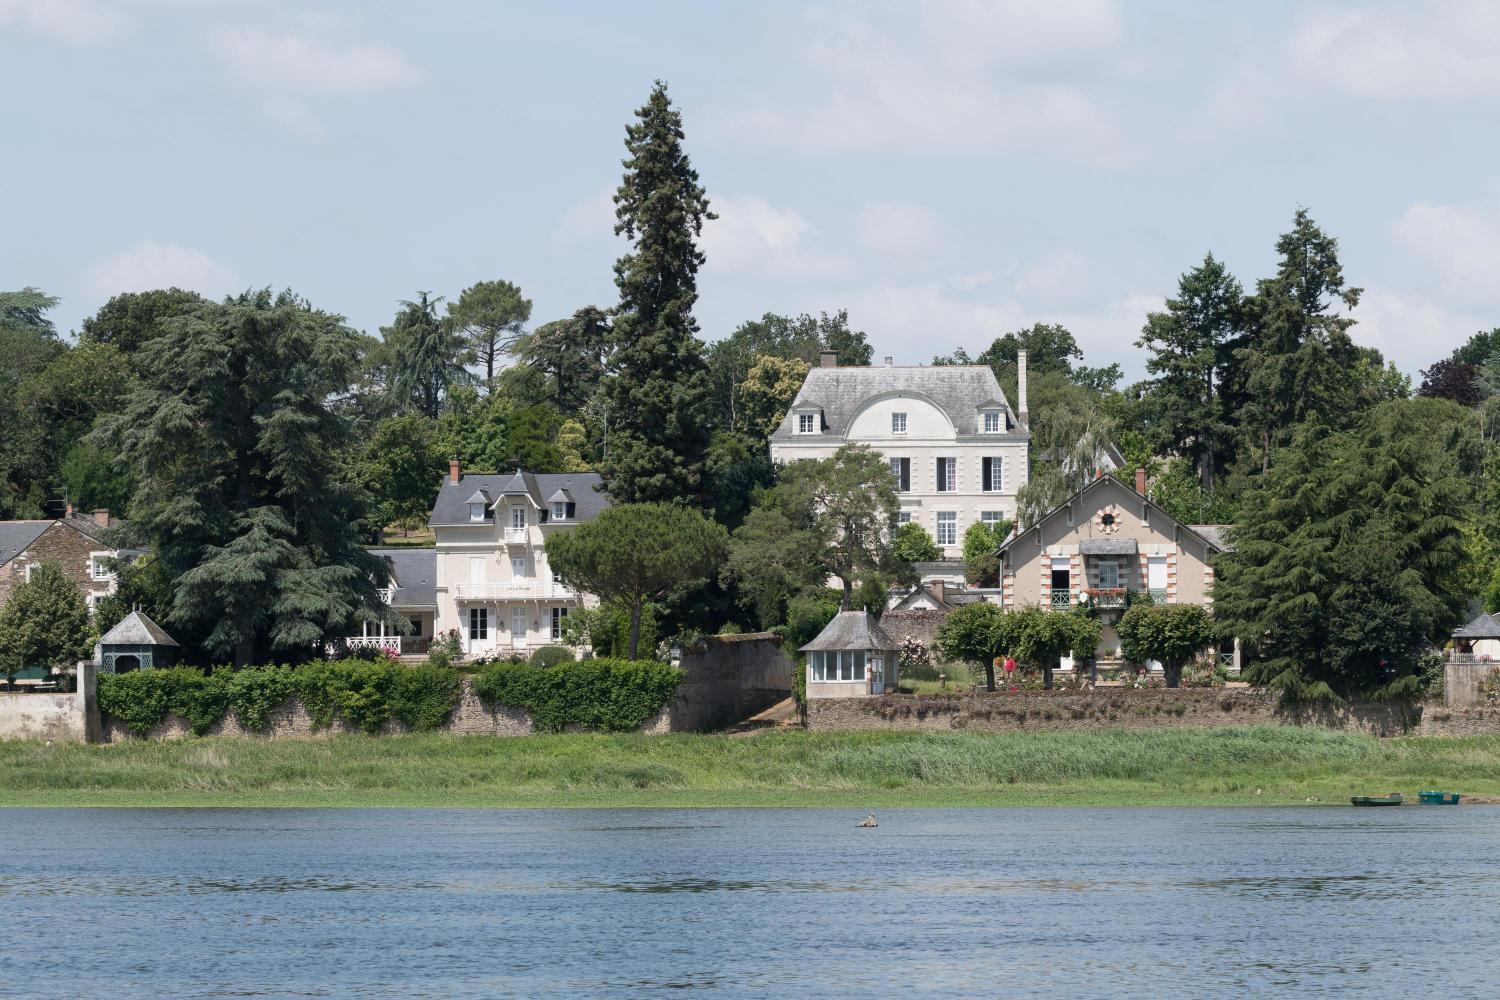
(231, 430)
(1192, 344)
(659, 427)
(426, 355)
(1300, 360)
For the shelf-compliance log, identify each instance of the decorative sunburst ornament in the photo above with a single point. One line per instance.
(1107, 520)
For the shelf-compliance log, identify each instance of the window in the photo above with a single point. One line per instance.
(558, 614)
(518, 568)
(476, 512)
(518, 517)
(990, 518)
(479, 624)
(559, 512)
(947, 475)
(992, 421)
(1109, 574)
(31, 569)
(837, 665)
(901, 472)
(806, 423)
(947, 527)
(99, 566)
(992, 475)
(898, 423)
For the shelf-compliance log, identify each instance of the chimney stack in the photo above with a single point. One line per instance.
(1021, 410)
(1140, 481)
(829, 359)
(888, 361)
(939, 590)
(453, 471)
(101, 517)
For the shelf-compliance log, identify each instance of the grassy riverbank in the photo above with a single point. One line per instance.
(1252, 766)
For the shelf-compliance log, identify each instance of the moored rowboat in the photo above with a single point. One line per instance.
(1431, 798)
(1393, 799)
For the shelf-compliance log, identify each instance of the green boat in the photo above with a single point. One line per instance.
(1431, 798)
(1393, 799)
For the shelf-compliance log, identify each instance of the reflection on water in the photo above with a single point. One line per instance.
(473, 903)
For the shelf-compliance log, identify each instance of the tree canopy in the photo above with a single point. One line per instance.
(45, 623)
(488, 318)
(1171, 634)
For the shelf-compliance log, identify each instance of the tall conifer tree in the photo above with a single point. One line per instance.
(659, 427)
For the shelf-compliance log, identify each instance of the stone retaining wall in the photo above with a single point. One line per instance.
(1147, 708)
(729, 678)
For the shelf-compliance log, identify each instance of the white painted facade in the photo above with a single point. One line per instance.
(960, 454)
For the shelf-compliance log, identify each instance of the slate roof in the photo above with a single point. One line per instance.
(451, 505)
(136, 629)
(958, 390)
(852, 630)
(414, 571)
(15, 536)
(1107, 546)
(1214, 541)
(1483, 627)
(1214, 533)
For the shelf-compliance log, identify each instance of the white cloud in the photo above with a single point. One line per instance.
(72, 22)
(149, 265)
(1413, 331)
(1459, 243)
(588, 220)
(1438, 50)
(306, 65)
(753, 237)
(953, 77)
(898, 229)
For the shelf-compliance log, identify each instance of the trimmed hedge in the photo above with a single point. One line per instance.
(363, 693)
(612, 695)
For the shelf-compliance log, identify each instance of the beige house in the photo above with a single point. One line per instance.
(491, 580)
(957, 450)
(852, 657)
(1478, 641)
(1102, 543)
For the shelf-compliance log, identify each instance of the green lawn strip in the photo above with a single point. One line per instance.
(1247, 766)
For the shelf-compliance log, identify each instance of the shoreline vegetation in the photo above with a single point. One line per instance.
(1168, 767)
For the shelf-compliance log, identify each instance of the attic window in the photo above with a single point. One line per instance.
(898, 423)
(560, 511)
(476, 512)
(992, 421)
(807, 423)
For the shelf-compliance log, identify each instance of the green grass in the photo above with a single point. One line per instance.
(1249, 766)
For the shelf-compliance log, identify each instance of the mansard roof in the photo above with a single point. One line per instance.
(959, 391)
(585, 488)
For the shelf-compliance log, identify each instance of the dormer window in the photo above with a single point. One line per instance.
(992, 423)
(476, 512)
(898, 423)
(807, 423)
(559, 512)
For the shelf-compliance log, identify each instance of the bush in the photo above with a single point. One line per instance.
(363, 693)
(551, 656)
(612, 695)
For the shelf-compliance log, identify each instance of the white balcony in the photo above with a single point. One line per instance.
(517, 536)
(513, 590)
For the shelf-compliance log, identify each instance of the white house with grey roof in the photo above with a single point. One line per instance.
(491, 581)
(957, 449)
(411, 593)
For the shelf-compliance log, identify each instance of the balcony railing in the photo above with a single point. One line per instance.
(1107, 598)
(1158, 595)
(400, 645)
(1062, 598)
(515, 589)
(517, 536)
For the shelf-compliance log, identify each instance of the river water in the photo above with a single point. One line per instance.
(1300, 902)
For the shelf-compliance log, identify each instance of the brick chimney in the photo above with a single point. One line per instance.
(453, 471)
(939, 590)
(1021, 408)
(101, 517)
(829, 359)
(1140, 481)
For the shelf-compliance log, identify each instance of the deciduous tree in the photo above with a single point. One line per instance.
(1170, 633)
(45, 623)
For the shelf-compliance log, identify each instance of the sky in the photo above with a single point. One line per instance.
(946, 171)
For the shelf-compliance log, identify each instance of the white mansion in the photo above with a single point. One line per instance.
(487, 576)
(957, 450)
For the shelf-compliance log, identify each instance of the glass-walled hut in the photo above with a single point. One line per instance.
(851, 658)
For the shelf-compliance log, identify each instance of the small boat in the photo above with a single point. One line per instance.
(1431, 798)
(1393, 799)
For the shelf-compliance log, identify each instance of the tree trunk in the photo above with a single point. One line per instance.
(989, 676)
(635, 628)
(1173, 673)
(848, 594)
(1046, 678)
(244, 652)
